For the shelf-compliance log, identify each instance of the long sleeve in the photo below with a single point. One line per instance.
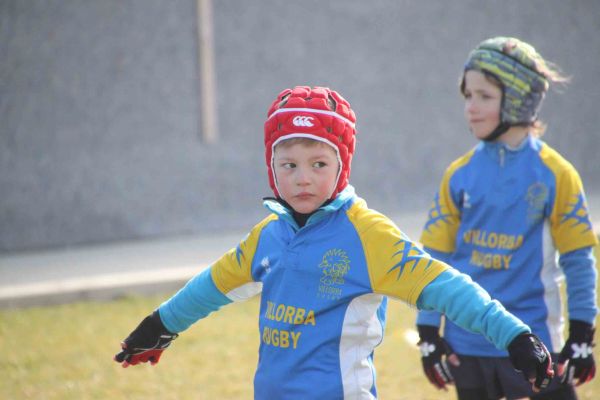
(579, 267)
(228, 279)
(468, 305)
(198, 298)
(432, 318)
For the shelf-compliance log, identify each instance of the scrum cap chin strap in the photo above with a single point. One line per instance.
(496, 133)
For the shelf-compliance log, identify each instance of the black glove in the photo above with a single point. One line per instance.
(576, 356)
(530, 356)
(145, 343)
(433, 347)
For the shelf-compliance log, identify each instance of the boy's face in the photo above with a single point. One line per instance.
(482, 103)
(306, 174)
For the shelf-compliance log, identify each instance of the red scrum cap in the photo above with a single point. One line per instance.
(318, 113)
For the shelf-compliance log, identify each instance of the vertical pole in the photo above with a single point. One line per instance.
(208, 113)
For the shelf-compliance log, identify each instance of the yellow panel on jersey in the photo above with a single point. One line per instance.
(397, 267)
(444, 217)
(234, 268)
(570, 222)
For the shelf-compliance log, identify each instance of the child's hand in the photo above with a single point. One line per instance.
(576, 360)
(145, 343)
(529, 355)
(433, 347)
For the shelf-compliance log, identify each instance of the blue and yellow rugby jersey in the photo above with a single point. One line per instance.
(500, 216)
(323, 297)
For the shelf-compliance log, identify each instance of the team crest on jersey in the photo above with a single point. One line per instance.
(577, 214)
(536, 197)
(334, 267)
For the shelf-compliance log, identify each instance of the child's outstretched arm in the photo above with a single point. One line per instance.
(228, 279)
(198, 298)
(145, 343)
(469, 306)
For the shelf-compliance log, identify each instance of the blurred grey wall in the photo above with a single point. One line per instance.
(99, 104)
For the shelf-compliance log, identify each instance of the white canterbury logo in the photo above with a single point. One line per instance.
(303, 120)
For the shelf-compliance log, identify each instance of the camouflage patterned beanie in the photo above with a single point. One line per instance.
(518, 66)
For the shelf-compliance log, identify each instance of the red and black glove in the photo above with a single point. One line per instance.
(576, 363)
(435, 351)
(145, 343)
(530, 356)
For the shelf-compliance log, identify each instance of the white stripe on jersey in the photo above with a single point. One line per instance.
(552, 276)
(358, 341)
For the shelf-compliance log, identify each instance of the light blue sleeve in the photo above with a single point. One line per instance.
(469, 306)
(198, 298)
(579, 267)
(432, 318)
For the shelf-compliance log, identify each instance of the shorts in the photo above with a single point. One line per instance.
(497, 376)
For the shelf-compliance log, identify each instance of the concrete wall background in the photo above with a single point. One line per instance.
(99, 125)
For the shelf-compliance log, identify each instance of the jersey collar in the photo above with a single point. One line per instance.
(345, 196)
(496, 148)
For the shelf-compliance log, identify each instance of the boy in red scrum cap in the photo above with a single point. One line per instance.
(324, 265)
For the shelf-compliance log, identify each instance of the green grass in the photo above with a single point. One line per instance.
(65, 352)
